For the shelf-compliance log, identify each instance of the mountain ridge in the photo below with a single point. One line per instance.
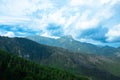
(60, 58)
(69, 43)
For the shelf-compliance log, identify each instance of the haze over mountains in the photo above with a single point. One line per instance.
(69, 43)
(96, 67)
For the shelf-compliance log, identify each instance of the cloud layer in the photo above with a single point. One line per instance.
(86, 20)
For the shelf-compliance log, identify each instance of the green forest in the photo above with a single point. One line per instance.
(16, 68)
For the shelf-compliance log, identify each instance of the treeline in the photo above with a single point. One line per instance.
(16, 68)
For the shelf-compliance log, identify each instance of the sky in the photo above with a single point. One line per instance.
(92, 21)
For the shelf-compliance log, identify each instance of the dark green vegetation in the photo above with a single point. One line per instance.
(96, 67)
(69, 43)
(16, 68)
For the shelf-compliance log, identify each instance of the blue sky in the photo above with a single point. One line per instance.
(93, 21)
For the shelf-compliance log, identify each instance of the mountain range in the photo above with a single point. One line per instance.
(71, 44)
(97, 67)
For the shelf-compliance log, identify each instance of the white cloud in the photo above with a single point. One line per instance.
(113, 34)
(87, 24)
(105, 1)
(91, 41)
(48, 35)
(13, 20)
(23, 8)
(9, 34)
(92, 3)
(81, 2)
(14, 8)
(73, 16)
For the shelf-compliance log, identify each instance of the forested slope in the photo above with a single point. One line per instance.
(16, 68)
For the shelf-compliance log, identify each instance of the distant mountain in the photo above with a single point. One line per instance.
(118, 53)
(69, 43)
(93, 66)
(16, 68)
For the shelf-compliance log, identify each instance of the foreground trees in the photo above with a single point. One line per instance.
(16, 68)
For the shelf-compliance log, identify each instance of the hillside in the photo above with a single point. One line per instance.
(83, 64)
(16, 68)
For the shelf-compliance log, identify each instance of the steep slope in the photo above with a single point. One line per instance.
(60, 58)
(86, 64)
(69, 43)
(16, 68)
(25, 48)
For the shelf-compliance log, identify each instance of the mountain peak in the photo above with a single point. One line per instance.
(67, 37)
